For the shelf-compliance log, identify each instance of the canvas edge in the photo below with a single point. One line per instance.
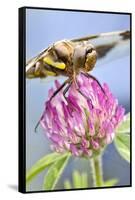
(21, 103)
(22, 98)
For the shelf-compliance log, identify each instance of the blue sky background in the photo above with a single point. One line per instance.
(45, 27)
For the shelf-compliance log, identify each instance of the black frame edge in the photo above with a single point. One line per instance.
(75, 10)
(21, 103)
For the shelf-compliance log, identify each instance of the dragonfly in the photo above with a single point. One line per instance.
(71, 57)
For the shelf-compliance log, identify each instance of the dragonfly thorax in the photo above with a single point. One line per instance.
(64, 58)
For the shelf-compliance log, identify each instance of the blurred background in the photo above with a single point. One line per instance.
(44, 27)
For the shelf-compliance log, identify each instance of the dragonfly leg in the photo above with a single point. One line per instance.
(59, 89)
(54, 94)
(92, 77)
(35, 129)
(66, 90)
(86, 97)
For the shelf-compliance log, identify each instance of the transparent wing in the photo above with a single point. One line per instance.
(109, 46)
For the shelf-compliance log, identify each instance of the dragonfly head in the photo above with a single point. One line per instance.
(84, 57)
(90, 59)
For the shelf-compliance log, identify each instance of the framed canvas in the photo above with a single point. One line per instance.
(74, 99)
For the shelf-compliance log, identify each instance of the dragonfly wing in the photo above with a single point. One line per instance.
(109, 46)
(119, 50)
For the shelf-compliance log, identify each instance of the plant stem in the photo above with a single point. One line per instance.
(97, 172)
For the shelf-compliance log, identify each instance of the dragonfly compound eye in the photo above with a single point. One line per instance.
(91, 57)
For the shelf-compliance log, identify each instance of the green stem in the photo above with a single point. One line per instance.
(97, 172)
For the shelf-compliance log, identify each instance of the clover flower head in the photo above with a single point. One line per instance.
(82, 124)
